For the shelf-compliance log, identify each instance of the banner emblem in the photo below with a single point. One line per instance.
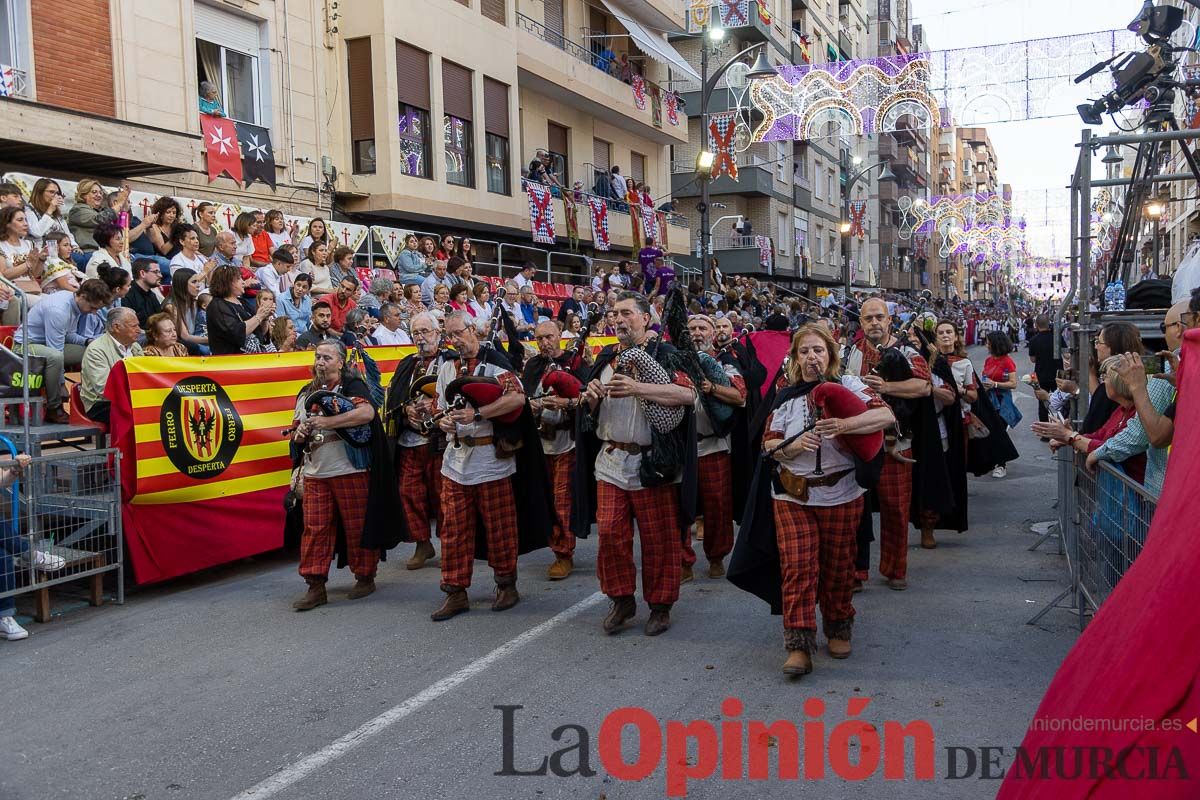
(201, 430)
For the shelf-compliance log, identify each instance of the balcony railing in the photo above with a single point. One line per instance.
(674, 219)
(802, 181)
(577, 51)
(17, 85)
(734, 242)
(684, 166)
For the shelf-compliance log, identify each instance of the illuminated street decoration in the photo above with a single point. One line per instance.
(944, 212)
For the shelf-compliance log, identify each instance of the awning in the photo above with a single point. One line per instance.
(654, 44)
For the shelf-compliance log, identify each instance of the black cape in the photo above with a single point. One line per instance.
(739, 433)
(384, 526)
(954, 456)
(531, 485)
(587, 447)
(983, 455)
(402, 379)
(754, 563)
(932, 489)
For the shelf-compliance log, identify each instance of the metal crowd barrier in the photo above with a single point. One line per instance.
(1103, 519)
(60, 521)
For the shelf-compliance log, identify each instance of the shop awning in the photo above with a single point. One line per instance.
(654, 44)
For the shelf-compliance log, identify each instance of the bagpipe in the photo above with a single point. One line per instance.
(832, 400)
(636, 363)
(326, 403)
(556, 382)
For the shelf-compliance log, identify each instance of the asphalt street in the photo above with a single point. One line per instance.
(212, 687)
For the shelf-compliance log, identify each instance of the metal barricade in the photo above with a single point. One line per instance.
(60, 521)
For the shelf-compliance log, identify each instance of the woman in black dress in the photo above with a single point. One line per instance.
(230, 322)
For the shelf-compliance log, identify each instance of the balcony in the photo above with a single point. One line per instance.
(749, 27)
(889, 191)
(563, 70)
(756, 177)
(802, 191)
(19, 87)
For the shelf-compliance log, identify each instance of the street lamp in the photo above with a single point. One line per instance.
(704, 162)
(886, 176)
(1154, 211)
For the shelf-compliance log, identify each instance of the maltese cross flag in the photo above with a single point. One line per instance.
(221, 145)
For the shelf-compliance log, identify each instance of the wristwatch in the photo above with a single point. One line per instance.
(478, 417)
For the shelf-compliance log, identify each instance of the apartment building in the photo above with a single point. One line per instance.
(109, 89)
(907, 151)
(475, 88)
(980, 176)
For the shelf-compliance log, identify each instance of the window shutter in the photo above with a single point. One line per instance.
(495, 107)
(556, 136)
(412, 75)
(553, 16)
(456, 90)
(637, 167)
(494, 10)
(228, 30)
(601, 155)
(362, 97)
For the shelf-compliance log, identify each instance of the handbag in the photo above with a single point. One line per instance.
(976, 429)
(12, 379)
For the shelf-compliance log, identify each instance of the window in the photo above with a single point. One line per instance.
(818, 189)
(637, 167)
(362, 105)
(601, 160)
(493, 10)
(457, 98)
(495, 123)
(783, 234)
(833, 193)
(14, 50)
(227, 47)
(558, 146)
(412, 80)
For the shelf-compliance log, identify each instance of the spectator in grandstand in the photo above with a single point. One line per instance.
(279, 274)
(448, 248)
(319, 331)
(20, 261)
(315, 264)
(466, 251)
(410, 301)
(44, 214)
(264, 245)
(428, 252)
(231, 325)
(168, 214)
(162, 338)
(460, 298)
(381, 292)
(143, 296)
(186, 312)
(342, 301)
(119, 341)
(482, 307)
(244, 228)
(390, 330)
(462, 273)
(186, 240)
(50, 333)
(411, 263)
(441, 300)
(10, 195)
(111, 240)
(283, 335)
(600, 279)
(525, 276)
(210, 99)
(574, 304)
(531, 312)
(205, 215)
(317, 231)
(278, 229)
(60, 273)
(296, 302)
(439, 277)
(341, 264)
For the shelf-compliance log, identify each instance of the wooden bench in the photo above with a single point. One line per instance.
(77, 561)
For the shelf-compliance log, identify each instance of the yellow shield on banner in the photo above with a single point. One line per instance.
(200, 417)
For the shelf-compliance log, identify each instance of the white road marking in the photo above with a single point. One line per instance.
(295, 773)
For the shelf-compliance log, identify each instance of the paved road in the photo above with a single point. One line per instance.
(211, 686)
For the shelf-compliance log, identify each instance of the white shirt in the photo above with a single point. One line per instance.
(409, 437)
(521, 281)
(101, 256)
(793, 417)
(472, 466)
(181, 260)
(710, 444)
(269, 278)
(619, 186)
(386, 338)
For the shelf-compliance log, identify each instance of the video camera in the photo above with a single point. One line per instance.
(1141, 76)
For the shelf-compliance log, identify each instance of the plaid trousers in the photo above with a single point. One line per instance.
(420, 487)
(463, 507)
(895, 497)
(656, 512)
(816, 559)
(346, 496)
(560, 467)
(716, 504)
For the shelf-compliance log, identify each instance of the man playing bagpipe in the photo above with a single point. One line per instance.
(636, 462)
(553, 387)
(722, 394)
(796, 545)
(419, 445)
(349, 489)
(485, 512)
(909, 398)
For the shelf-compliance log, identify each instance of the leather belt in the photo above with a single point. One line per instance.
(476, 441)
(828, 480)
(628, 447)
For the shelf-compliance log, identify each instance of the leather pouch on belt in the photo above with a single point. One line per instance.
(793, 484)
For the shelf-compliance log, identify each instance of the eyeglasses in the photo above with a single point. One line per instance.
(1162, 326)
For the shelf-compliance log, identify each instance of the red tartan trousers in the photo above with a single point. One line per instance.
(656, 512)
(816, 559)
(420, 487)
(345, 496)
(716, 504)
(895, 497)
(562, 540)
(463, 507)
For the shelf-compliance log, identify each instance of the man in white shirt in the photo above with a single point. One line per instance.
(439, 277)
(525, 276)
(618, 184)
(389, 332)
(279, 274)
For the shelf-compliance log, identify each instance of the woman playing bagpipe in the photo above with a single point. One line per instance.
(796, 545)
(351, 506)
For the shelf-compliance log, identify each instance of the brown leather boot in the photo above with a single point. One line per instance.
(839, 648)
(716, 569)
(686, 573)
(423, 553)
(456, 603)
(660, 619)
(898, 584)
(506, 593)
(800, 644)
(315, 596)
(838, 634)
(623, 609)
(927, 540)
(362, 587)
(560, 569)
(798, 663)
